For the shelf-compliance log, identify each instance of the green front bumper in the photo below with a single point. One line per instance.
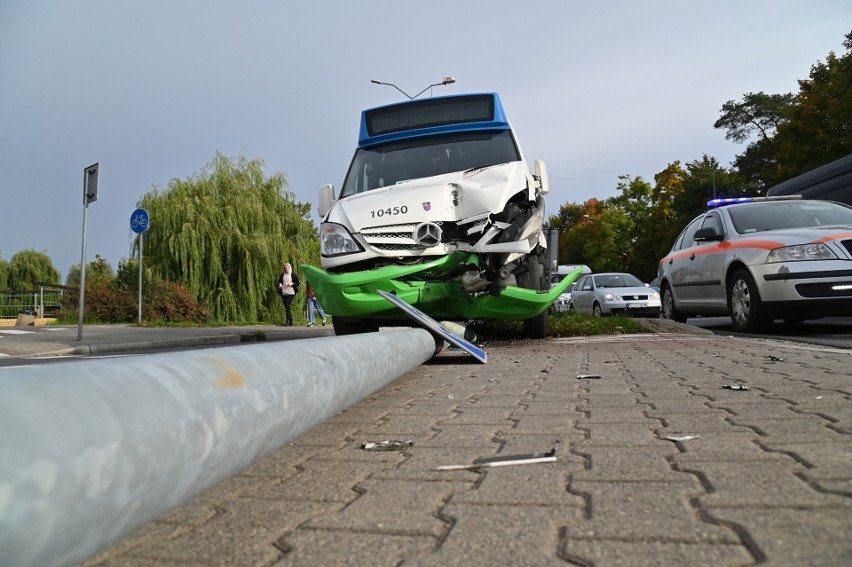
(426, 287)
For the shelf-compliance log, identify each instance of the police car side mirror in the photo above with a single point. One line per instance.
(706, 234)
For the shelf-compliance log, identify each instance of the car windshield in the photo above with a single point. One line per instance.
(395, 162)
(778, 215)
(618, 280)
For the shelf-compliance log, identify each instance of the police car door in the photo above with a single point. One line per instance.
(706, 269)
(679, 265)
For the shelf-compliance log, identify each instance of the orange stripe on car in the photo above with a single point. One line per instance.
(834, 237)
(722, 247)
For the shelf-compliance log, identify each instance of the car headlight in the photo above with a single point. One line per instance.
(655, 295)
(335, 240)
(609, 297)
(813, 251)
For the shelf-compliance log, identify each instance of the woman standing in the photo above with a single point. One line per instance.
(288, 283)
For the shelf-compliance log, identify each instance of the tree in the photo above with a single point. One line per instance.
(819, 129)
(97, 271)
(225, 235)
(757, 113)
(28, 267)
(794, 133)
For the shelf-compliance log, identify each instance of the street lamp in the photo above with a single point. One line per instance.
(445, 81)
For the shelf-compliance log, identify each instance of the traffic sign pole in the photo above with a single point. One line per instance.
(90, 195)
(139, 223)
(141, 238)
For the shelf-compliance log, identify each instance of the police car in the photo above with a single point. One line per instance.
(759, 260)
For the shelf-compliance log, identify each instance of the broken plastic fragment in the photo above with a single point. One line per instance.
(588, 377)
(503, 461)
(681, 437)
(773, 358)
(736, 387)
(391, 445)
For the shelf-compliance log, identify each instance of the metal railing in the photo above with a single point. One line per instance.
(45, 301)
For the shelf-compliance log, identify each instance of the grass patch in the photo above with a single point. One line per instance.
(561, 325)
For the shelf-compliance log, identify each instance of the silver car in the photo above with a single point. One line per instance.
(563, 302)
(614, 293)
(761, 260)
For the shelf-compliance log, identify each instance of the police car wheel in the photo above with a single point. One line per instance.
(670, 311)
(747, 315)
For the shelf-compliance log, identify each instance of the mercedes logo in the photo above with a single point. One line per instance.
(427, 234)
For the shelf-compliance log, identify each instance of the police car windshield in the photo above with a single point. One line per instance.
(768, 215)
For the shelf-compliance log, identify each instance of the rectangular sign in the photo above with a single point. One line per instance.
(90, 184)
(435, 327)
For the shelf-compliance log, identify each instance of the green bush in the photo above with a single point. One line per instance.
(107, 301)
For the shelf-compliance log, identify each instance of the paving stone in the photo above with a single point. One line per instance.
(243, 534)
(825, 460)
(765, 483)
(617, 415)
(467, 435)
(801, 429)
(542, 424)
(396, 507)
(796, 537)
(653, 553)
(310, 548)
(733, 446)
(619, 435)
(630, 464)
(540, 484)
(701, 423)
(317, 481)
(645, 510)
(499, 535)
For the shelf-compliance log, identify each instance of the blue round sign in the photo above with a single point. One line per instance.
(139, 221)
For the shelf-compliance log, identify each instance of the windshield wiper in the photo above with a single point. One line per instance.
(479, 168)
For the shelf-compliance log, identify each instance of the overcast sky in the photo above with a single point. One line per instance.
(151, 89)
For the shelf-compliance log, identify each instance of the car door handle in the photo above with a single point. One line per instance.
(692, 257)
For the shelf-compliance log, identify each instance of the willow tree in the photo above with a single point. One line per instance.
(225, 234)
(28, 267)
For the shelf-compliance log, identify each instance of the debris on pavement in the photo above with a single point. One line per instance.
(390, 445)
(679, 438)
(773, 358)
(588, 377)
(503, 461)
(736, 387)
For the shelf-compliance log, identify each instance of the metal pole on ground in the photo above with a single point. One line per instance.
(93, 450)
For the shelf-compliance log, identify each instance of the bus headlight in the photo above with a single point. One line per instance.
(335, 240)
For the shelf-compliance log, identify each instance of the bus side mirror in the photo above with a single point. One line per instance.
(326, 200)
(541, 176)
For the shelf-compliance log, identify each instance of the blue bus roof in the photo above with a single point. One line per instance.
(438, 115)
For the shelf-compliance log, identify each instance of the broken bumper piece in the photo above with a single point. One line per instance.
(431, 287)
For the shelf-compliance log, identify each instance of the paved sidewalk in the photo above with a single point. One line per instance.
(763, 476)
(56, 340)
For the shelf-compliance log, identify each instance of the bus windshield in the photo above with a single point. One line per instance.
(399, 161)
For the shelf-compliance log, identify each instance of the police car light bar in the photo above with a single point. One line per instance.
(730, 201)
(720, 202)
